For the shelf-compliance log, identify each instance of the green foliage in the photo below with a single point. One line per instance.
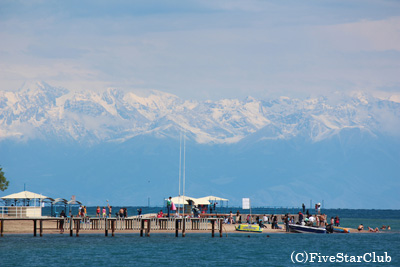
(3, 181)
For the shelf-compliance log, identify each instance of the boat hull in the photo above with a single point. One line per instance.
(295, 228)
(249, 228)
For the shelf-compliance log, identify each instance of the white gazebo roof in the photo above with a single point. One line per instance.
(25, 195)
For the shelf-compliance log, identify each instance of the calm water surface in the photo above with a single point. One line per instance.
(194, 250)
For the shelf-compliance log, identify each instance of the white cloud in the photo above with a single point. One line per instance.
(369, 35)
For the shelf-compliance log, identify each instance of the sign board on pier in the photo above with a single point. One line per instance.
(245, 203)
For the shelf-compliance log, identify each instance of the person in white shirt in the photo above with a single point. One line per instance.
(311, 220)
(265, 219)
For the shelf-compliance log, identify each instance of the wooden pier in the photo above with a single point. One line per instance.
(144, 226)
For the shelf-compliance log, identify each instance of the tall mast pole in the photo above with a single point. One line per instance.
(184, 170)
(180, 163)
(180, 166)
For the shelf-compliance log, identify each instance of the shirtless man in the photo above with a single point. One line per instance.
(360, 227)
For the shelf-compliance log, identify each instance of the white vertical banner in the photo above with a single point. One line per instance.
(245, 203)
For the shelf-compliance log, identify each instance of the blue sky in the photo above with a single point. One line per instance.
(203, 49)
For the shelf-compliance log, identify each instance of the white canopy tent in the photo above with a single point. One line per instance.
(180, 200)
(214, 198)
(216, 203)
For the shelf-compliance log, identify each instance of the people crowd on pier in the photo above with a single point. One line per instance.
(317, 219)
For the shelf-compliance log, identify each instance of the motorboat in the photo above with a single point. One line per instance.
(298, 228)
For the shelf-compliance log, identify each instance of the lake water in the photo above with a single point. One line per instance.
(193, 250)
(235, 249)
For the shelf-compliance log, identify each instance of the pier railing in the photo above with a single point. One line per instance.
(20, 211)
(134, 224)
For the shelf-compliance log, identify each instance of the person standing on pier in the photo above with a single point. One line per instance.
(238, 217)
(173, 208)
(286, 220)
(169, 201)
(304, 208)
(337, 221)
(300, 217)
(125, 213)
(265, 219)
(109, 210)
(121, 213)
(62, 215)
(275, 222)
(230, 220)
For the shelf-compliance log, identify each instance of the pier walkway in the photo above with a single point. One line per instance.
(142, 225)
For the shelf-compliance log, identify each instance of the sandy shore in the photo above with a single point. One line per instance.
(50, 227)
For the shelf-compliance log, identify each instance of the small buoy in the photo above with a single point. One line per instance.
(248, 236)
(267, 235)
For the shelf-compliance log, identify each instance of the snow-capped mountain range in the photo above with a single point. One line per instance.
(124, 146)
(38, 111)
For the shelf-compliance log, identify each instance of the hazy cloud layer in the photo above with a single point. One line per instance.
(197, 49)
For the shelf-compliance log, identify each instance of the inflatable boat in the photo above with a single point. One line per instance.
(337, 229)
(249, 228)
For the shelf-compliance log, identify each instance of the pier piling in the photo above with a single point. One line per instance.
(220, 228)
(212, 228)
(183, 228)
(78, 225)
(34, 227)
(71, 226)
(106, 227)
(112, 228)
(148, 228)
(176, 228)
(41, 228)
(141, 227)
(2, 227)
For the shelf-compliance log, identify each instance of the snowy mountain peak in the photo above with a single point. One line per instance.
(36, 87)
(39, 110)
